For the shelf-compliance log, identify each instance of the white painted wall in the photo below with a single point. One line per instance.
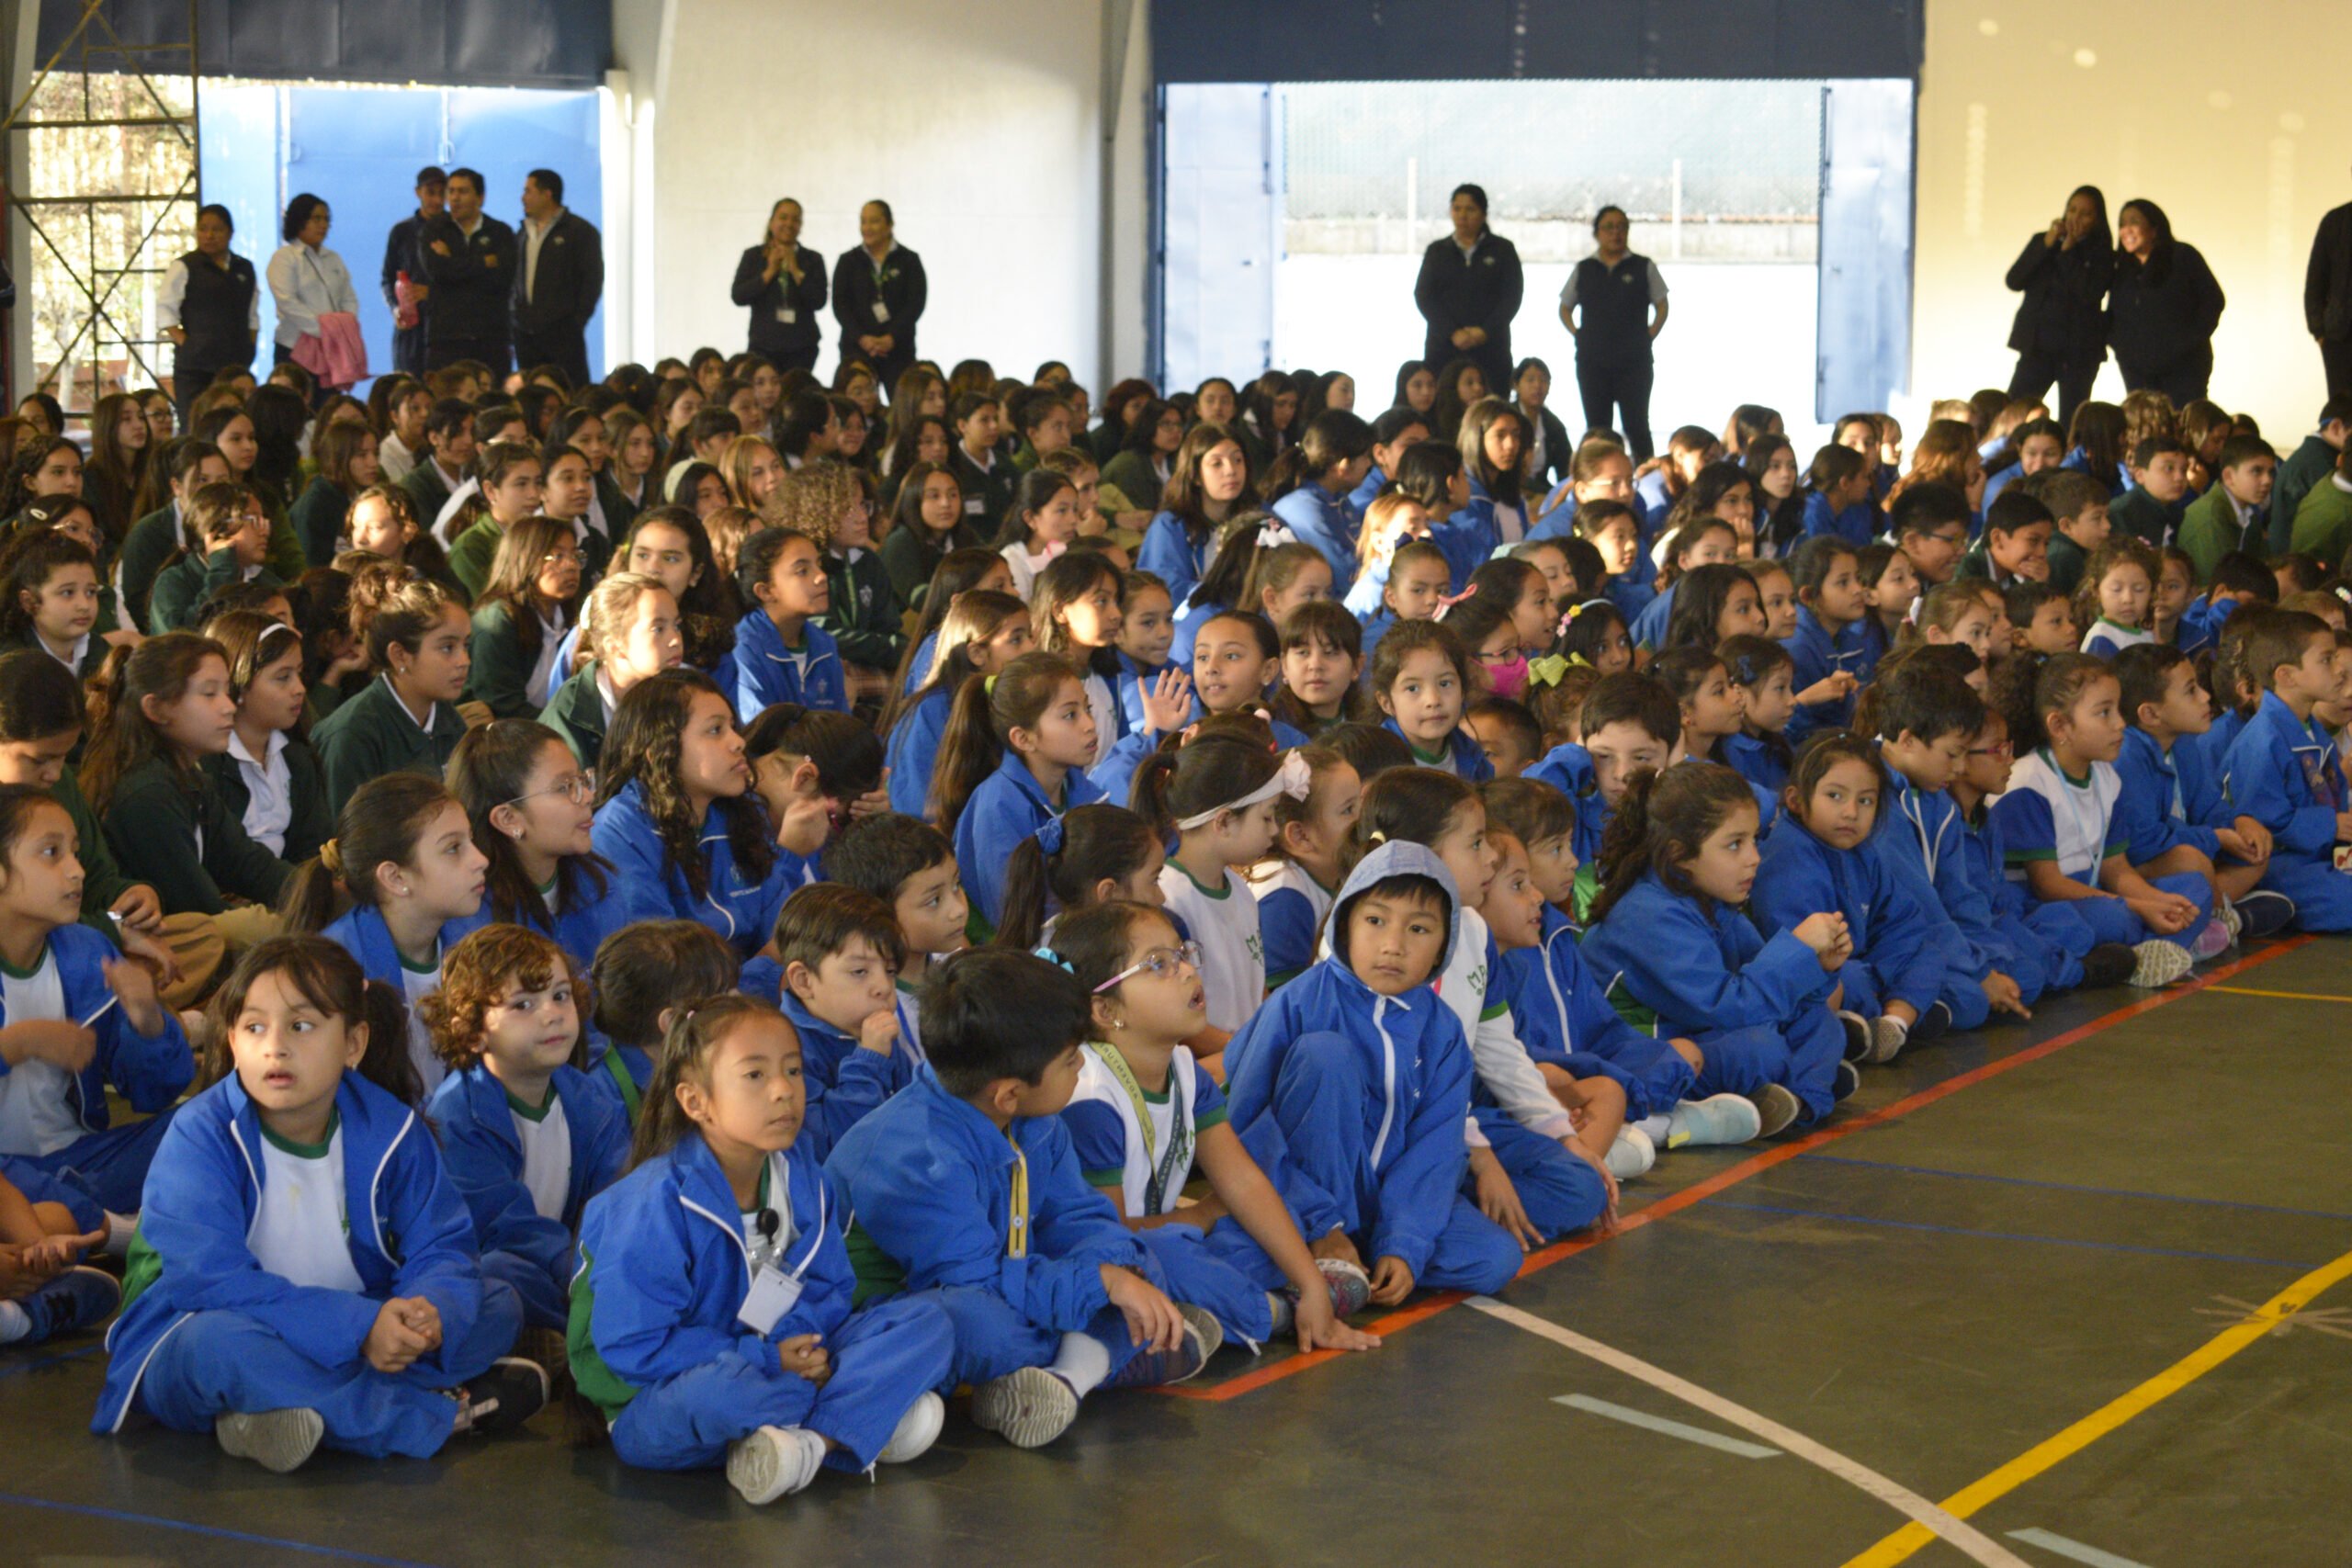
(981, 125)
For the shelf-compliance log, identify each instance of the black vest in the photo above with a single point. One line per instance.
(214, 312)
(1614, 332)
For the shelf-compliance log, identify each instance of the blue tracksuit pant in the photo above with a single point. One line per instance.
(1560, 1193)
(1319, 1100)
(102, 1171)
(883, 1359)
(2323, 895)
(1801, 1058)
(221, 1363)
(1211, 1272)
(2111, 920)
(993, 1337)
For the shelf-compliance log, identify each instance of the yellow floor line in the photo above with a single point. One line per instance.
(2052, 1451)
(2283, 995)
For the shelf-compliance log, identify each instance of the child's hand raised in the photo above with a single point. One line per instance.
(804, 1355)
(131, 981)
(1153, 1322)
(879, 1031)
(1168, 701)
(1392, 1282)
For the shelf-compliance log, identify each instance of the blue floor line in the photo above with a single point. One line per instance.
(120, 1516)
(2076, 1187)
(37, 1362)
(2009, 1235)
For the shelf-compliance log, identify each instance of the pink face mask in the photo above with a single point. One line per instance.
(1510, 680)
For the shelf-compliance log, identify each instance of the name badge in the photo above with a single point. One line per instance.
(786, 314)
(2344, 857)
(881, 313)
(974, 505)
(774, 1292)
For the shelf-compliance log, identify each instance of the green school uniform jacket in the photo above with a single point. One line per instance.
(183, 586)
(502, 669)
(1131, 474)
(145, 548)
(2323, 522)
(864, 619)
(317, 519)
(472, 553)
(371, 735)
(2143, 516)
(174, 833)
(2212, 530)
(312, 823)
(909, 560)
(576, 712)
(2067, 559)
(2305, 469)
(424, 488)
(102, 878)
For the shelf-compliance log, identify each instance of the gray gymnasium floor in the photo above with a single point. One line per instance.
(2070, 1291)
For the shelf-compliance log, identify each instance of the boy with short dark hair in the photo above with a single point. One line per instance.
(2238, 580)
(2282, 770)
(2235, 515)
(839, 952)
(1507, 733)
(2077, 504)
(2308, 468)
(966, 1186)
(2041, 619)
(2015, 542)
(909, 865)
(1628, 722)
(1930, 524)
(2150, 511)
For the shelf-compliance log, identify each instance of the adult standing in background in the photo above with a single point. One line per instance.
(209, 307)
(470, 257)
(559, 277)
(2163, 309)
(306, 279)
(2327, 299)
(401, 255)
(2060, 333)
(1469, 289)
(1622, 299)
(878, 293)
(784, 286)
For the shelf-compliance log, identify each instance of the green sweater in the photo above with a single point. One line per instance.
(2323, 522)
(174, 833)
(181, 588)
(472, 554)
(501, 678)
(864, 617)
(2306, 469)
(102, 879)
(2143, 516)
(2212, 530)
(145, 548)
(576, 712)
(372, 734)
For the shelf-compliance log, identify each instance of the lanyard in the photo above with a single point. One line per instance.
(1016, 1229)
(630, 1098)
(1178, 1157)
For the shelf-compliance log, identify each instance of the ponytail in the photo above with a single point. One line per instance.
(1660, 825)
(1060, 865)
(381, 823)
(980, 723)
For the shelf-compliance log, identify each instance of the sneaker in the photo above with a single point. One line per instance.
(1631, 1155)
(278, 1440)
(1718, 1119)
(1157, 1368)
(2263, 913)
(916, 1431)
(1848, 1079)
(2108, 964)
(77, 1299)
(2156, 961)
(503, 1398)
(1775, 1109)
(1858, 1036)
(1028, 1407)
(775, 1462)
(1933, 1022)
(2228, 917)
(1350, 1286)
(1283, 1307)
(2212, 943)
(1888, 1036)
(549, 1349)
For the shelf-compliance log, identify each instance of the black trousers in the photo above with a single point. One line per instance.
(2182, 380)
(1625, 388)
(2035, 372)
(566, 350)
(2336, 354)
(408, 350)
(495, 352)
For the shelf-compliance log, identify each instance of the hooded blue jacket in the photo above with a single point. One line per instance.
(407, 1229)
(932, 1181)
(2269, 775)
(360, 932)
(663, 1271)
(484, 1156)
(1469, 758)
(1894, 937)
(1819, 655)
(1010, 805)
(148, 1070)
(652, 889)
(1411, 1043)
(1858, 525)
(2169, 798)
(578, 929)
(1757, 761)
(1921, 843)
(764, 673)
(1701, 970)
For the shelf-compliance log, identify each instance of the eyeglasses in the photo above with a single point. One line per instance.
(1159, 964)
(578, 789)
(2003, 749)
(555, 558)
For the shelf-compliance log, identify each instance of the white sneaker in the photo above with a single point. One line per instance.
(772, 1463)
(2160, 963)
(1888, 1036)
(1718, 1119)
(1776, 1107)
(1631, 1155)
(278, 1440)
(916, 1431)
(2212, 942)
(1028, 1407)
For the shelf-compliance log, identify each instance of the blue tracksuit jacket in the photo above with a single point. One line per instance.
(1010, 805)
(766, 672)
(739, 909)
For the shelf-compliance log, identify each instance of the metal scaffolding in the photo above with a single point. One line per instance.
(103, 143)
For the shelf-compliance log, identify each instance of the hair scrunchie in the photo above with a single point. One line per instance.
(331, 857)
(1052, 836)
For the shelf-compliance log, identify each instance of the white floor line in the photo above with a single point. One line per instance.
(1960, 1535)
(1648, 1422)
(2075, 1551)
